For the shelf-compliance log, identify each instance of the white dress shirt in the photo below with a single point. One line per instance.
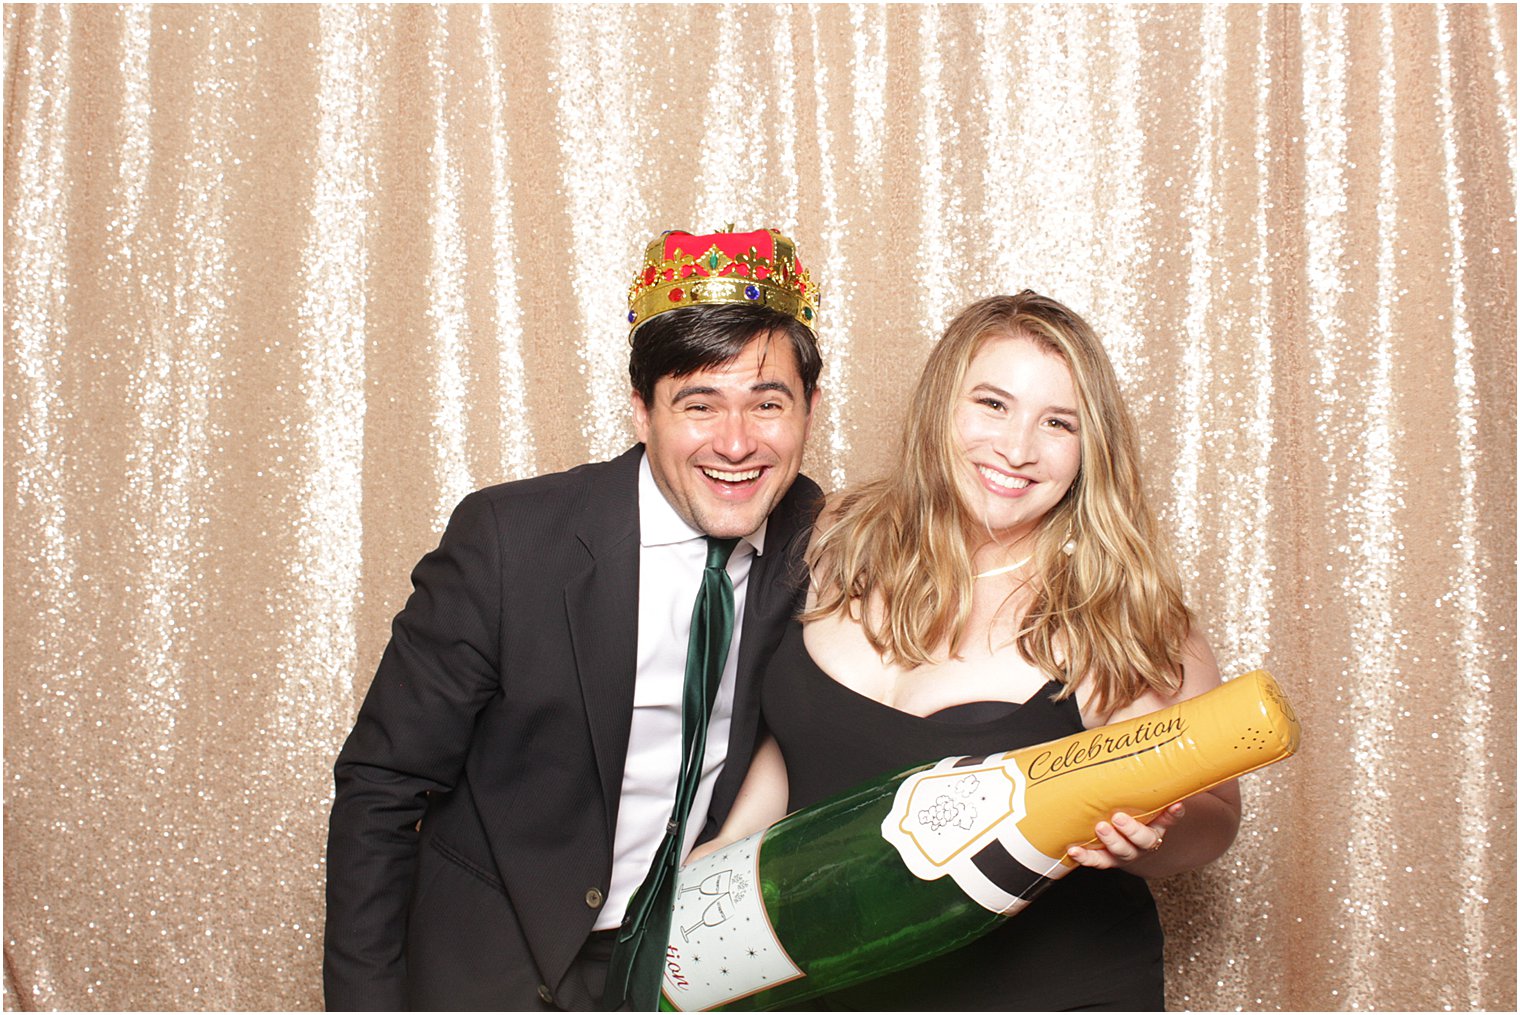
(672, 556)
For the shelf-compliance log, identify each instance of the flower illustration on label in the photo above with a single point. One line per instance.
(946, 811)
(941, 812)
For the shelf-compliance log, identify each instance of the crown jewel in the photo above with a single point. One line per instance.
(682, 270)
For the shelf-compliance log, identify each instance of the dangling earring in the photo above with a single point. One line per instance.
(1070, 546)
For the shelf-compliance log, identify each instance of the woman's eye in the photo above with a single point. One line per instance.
(991, 403)
(1061, 424)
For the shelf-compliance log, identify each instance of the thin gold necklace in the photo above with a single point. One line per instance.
(1004, 569)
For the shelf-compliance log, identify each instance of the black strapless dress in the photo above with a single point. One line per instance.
(1092, 941)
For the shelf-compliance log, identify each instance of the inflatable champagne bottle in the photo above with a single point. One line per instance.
(916, 864)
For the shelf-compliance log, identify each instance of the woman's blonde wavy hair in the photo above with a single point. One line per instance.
(1110, 611)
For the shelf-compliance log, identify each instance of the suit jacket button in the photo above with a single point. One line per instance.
(594, 898)
(544, 995)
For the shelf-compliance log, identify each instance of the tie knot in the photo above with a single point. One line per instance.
(719, 550)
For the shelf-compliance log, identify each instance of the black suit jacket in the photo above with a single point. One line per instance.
(499, 719)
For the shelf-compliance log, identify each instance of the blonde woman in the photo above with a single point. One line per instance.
(1004, 587)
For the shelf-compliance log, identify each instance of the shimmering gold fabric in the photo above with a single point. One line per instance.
(282, 283)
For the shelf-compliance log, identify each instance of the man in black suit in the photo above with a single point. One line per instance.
(512, 770)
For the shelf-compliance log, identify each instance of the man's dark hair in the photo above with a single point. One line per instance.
(681, 342)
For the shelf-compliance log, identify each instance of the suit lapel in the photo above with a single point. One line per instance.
(602, 607)
(757, 622)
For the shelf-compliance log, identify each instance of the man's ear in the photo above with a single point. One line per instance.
(812, 411)
(640, 417)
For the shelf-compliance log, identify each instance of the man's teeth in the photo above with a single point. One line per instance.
(732, 477)
(1006, 482)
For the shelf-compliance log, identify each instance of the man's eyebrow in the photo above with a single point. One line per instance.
(694, 389)
(780, 386)
(708, 391)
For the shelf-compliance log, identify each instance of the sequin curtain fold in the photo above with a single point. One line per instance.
(283, 283)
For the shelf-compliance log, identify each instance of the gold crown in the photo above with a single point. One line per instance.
(760, 267)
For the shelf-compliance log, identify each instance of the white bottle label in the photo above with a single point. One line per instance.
(722, 946)
(960, 818)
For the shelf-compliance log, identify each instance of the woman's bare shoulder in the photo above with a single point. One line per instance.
(1200, 673)
(830, 513)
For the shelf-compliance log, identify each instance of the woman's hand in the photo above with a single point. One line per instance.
(1195, 834)
(1125, 841)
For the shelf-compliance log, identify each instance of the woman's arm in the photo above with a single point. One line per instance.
(761, 801)
(763, 797)
(1186, 835)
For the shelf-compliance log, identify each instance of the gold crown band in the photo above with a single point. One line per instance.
(713, 277)
(688, 292)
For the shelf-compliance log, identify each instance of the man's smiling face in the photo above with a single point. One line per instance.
(725, 442)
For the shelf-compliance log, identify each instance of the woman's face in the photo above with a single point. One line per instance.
(1016, 422)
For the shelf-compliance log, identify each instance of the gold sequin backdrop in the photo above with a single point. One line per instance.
(283, 283)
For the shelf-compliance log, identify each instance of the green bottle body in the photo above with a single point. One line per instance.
(916, 864)
(841, 902)
(894, 920)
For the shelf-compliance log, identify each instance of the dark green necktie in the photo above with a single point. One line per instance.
(634, 973)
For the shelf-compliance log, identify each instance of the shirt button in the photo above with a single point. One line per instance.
(544, 995)
(594, 898)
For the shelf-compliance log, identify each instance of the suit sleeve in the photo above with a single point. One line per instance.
(411, 738)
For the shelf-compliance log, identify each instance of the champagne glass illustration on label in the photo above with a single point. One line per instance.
(719, 884)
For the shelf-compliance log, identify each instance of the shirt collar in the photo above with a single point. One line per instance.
(659, 524)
